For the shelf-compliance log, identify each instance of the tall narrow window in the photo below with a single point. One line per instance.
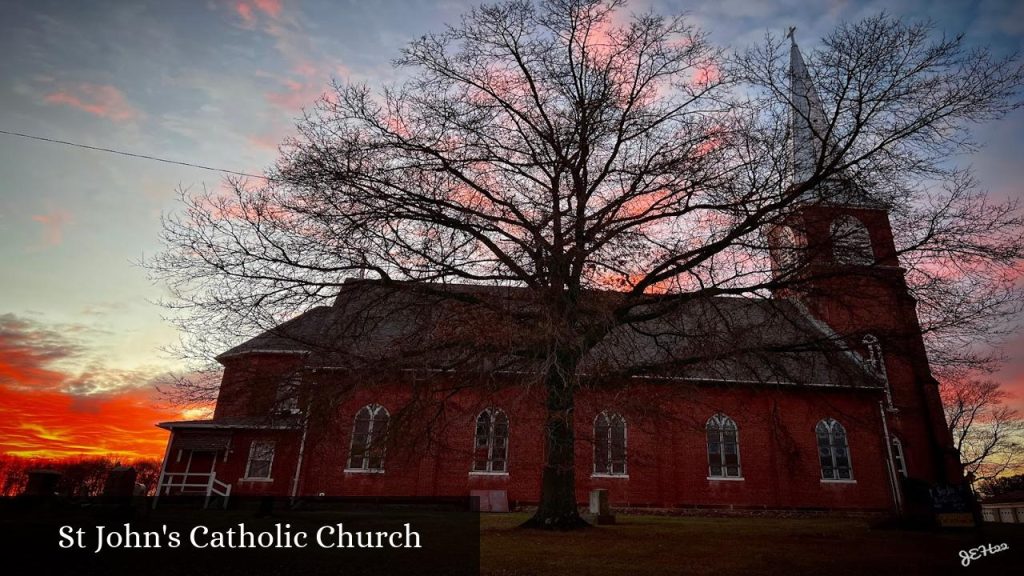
(286, 400)
(897, 456)
(877, 363)
(261, 460)
(851, 242)
(786, 249)
(609, 444)
(874, 348)
(369, 433)
(833, 451)
(490, 445)
(723, 447)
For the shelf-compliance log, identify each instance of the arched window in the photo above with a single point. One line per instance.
(609, 444)
(897, 456)
(786, 248)
(723, 447)
(851, 243)
(490, 447)
(874, 348)
(369, 433)
(833, 451)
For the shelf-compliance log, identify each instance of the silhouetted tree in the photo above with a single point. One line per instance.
(988, 433)
(1002, 486)
(560, 148)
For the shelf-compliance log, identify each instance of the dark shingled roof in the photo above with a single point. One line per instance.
(731, 339)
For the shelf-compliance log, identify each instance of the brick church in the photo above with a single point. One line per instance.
(818, 399)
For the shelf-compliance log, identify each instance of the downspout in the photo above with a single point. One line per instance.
(891, 464)
(302, 448)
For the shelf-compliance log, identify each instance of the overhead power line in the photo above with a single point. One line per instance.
(134, 155)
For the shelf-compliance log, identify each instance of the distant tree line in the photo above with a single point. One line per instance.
(1003, 486)
(79, 476)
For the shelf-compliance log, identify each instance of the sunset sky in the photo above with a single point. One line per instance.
(220, 83)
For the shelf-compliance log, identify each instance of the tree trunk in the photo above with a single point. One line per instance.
(557, 509)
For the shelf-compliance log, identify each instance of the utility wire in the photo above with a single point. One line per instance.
(133, 155)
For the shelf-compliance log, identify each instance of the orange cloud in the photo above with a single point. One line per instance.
(46, 424)
(48, 411)
(53, 225)
(100, 100)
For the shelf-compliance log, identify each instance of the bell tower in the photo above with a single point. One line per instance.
(836, 249)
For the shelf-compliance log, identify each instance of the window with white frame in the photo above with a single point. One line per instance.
(833, 450)
(369, 435)
(851, 242)
(609, 444)
(490, 442)
(897, 456)
(261, 460)
(723, 447)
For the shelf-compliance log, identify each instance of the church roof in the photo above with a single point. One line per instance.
(374, 324)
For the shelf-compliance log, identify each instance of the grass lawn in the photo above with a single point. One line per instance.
(719, 546)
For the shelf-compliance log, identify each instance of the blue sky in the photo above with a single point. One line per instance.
(220, 83)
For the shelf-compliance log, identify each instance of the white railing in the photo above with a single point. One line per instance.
(193, 483)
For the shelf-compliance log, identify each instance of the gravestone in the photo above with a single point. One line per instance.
(42, 483)
(120, 484)
(489, 500)
(599, 507)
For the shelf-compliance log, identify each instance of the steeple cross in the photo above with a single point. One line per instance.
(789, 33)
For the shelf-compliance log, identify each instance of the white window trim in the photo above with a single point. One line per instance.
(721, 433)
(491, 412)
(270, 467)
(900, 457)
(726, 478)
(374, 410)
(832, 454)
(625, 448)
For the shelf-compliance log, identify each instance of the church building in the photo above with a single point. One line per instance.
(813, 399)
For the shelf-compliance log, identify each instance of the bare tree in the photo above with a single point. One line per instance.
(987, 432)
(562, 148)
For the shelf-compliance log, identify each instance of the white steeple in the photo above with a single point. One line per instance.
(807, 123)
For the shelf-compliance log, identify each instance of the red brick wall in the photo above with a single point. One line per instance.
(667, 458)
(249, 385)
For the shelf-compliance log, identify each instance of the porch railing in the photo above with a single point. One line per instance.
(205, 483)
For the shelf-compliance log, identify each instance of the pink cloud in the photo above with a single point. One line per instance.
(706, 74)
(245, 11)
(100, 100)
(53, 225)
(268, 141)
(296, 95)
(271, 8)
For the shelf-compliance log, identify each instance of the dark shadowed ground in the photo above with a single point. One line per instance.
(721, 546)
